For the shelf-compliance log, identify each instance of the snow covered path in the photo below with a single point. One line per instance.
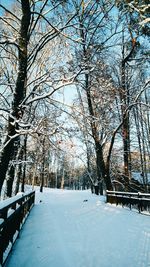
(65, 231)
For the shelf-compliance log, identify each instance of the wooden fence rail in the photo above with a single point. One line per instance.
(13, 213)
(139, 201)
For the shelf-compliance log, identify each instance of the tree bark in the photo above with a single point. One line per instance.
(24, 163)
(125, 125)
(102, 174)
(43, 166)
(124, 98)
(100, 164)
(19, 94)
(9, 183)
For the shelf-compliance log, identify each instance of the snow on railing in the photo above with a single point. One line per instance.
(139, 201)
(13, 212)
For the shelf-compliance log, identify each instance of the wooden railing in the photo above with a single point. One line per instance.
(13, 213)
(139, 201)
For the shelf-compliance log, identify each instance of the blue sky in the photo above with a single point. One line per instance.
(6, 2)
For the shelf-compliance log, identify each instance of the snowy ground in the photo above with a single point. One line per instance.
(64, 231)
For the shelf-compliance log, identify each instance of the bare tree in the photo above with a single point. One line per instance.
(27, 45)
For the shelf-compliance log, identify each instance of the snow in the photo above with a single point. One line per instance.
(145, 21)
(138, 177)
(8, 201)
(77, 229)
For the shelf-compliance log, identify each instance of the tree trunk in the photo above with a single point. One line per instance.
(85, 135)
(100, 164)
(19, 94)
(9, 183)
(125, 125)
(19, 176)
(124, 99)
(24, 163)
(43, 165)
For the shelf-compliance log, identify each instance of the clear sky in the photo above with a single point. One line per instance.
(6, 2)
